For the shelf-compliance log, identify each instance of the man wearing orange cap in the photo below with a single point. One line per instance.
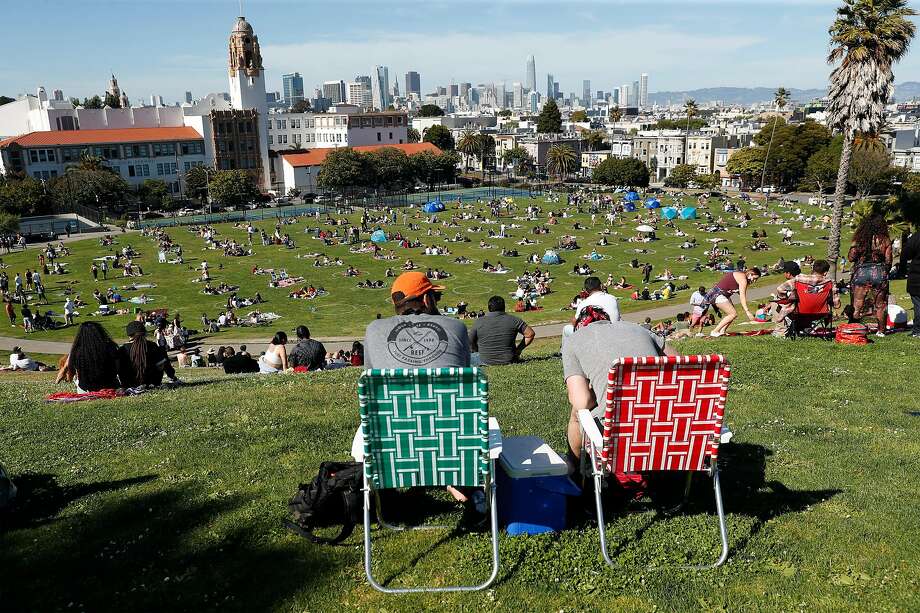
(418, 336)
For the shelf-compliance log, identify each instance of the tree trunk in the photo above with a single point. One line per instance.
(833, 244)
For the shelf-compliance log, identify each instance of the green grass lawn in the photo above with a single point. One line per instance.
(174, 500)
(347, 309)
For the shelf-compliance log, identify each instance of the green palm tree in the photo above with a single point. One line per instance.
(867, 38)
(616, 114)
(691, 109)
(468, 144)
(560, 160)
(780, 99)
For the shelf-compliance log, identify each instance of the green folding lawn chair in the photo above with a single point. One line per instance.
(427, 428)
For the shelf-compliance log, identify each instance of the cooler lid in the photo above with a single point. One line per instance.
(530, 456)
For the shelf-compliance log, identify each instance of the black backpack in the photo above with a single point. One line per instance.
(333, 498)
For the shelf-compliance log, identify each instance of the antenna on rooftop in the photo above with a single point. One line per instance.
(241, 8)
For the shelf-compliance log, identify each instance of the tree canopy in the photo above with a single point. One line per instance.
(430, 110)
(23, 196)
(301, 106)
(440, 137)
(578, 116)
(6, 100)
(232, 187)
(677, 124)
(627, 172)
(680, 176)
(550, 119)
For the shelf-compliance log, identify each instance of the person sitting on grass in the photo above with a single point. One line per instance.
(307, 352)
(92, 363)
(495, 335)
(586, 359)
(143, 362)
(20, 361)
(275, 359)
(241, 362)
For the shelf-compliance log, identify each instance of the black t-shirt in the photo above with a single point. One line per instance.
(238, 363)
(307, 352)
(157, 363)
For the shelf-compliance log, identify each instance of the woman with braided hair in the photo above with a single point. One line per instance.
(142, 362)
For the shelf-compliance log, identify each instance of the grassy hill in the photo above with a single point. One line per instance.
(346, 309)
(173, 500)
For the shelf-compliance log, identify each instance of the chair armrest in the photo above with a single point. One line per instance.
(589, 426)
(495, 439)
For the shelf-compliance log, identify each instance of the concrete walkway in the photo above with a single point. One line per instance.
(334, 343)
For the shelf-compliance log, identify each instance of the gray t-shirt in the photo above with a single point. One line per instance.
(416, 341)
(590, 351)
(494, 337)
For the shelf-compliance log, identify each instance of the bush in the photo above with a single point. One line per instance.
(628, 172)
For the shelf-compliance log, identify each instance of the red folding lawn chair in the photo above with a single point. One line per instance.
(662, 414)
(813, 304)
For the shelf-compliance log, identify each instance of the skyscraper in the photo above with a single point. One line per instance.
(586, 92)
(643, 90)
(413, 83)
(625, 95)
(518, 100)
(615, 96)
(454, 90)
(359, 93)
(293, 88)
(550, 91)
(534, 101)
(634, 90)
(188, 97)
(380, 87)
(335, 91)
(530, 81)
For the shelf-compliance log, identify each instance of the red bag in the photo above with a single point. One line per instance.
(852, 334)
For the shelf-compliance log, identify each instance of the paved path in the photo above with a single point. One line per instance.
(334, 343)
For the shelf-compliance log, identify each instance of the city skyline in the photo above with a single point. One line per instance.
(494, 47)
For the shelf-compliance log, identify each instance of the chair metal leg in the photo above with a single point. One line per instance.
(723, 528)
(601, 528)
(493, 514)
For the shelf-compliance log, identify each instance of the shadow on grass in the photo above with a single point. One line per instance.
(40, 498)
(745, 491)
(914, 413)
(175, 548)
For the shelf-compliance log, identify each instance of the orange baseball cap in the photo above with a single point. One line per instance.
(412, 285)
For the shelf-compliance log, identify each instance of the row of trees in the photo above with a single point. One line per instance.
(387, 169)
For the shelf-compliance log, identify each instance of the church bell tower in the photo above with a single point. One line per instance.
(247, 85)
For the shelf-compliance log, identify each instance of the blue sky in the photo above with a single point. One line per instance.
(169, 46)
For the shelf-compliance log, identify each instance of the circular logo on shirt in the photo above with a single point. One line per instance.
(417, 343)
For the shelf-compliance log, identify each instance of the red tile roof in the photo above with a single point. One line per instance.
(99, 137)
(315, 157)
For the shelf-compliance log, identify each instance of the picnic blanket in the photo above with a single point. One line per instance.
(106, 394)
(290, 281)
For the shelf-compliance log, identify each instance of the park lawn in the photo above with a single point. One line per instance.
(347, 309)
(174, 500)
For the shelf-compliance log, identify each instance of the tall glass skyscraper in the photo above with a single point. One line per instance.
(643, 90)
(293, 88)
(586, 92)
(380, 87)
(530, 81)
(550, 90)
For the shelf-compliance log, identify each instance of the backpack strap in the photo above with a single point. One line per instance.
(307, 533)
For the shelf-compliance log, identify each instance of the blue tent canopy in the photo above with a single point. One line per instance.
(668, 212)
(688, 213)
(629, 207)
(631, 197)
(652, 203)
(434, 206)
(379, 236)
(550, 257)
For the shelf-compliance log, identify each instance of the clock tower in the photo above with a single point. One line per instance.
(247, 86)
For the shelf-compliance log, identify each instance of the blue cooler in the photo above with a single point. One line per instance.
(532, 486)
